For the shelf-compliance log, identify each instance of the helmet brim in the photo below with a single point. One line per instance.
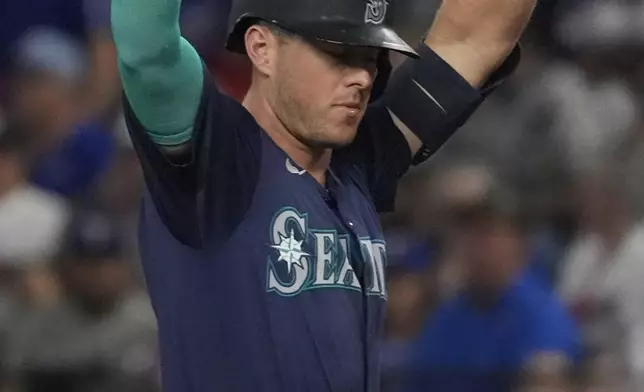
(374, 36)
(368, 35)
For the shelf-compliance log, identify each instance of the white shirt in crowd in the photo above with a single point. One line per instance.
(32, 225)
(607, 290)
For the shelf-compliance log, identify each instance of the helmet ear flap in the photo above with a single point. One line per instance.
(384, 72)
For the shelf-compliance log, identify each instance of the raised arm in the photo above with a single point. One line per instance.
(174, 110)
(162, 73)
(463, 57)
(467, 53)
(475, 36)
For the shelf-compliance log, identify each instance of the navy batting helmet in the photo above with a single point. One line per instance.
(364, 23)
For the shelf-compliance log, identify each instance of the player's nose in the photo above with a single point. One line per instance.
(362, 77)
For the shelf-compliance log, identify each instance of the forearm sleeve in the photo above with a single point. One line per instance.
(162, 74)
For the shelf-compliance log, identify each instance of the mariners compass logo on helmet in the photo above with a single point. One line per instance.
(376, 11)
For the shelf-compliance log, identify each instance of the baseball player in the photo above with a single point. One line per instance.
(259, 230)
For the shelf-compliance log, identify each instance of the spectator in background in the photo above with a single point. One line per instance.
(602, 280)
(503, 330)
(460, 185)
(412, 293)
(32, 223)
(102, 92)
(594, 105)
(32, 220)
(46, 100)
(101, 336)
(80, 20)
(20, 16)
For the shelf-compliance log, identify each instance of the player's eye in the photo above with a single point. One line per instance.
(336, 53)
(356, 57)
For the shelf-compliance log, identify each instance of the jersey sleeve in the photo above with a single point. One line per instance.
(203, 191)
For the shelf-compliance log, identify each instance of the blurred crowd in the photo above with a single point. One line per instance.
(516, 255)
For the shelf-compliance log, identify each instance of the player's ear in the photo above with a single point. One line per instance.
(261, 48)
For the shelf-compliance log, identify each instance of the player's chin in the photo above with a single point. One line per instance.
(339, 138)
(336, 133)
(342, 136)
(334, 143)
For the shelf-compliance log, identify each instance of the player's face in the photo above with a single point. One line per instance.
(492, 251)
(322, 90)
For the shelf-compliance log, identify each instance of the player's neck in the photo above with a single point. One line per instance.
(315, 161)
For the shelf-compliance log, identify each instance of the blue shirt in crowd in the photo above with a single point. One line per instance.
(469, 349)
(78, 163)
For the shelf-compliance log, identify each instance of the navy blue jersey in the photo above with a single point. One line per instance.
(261, 278)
